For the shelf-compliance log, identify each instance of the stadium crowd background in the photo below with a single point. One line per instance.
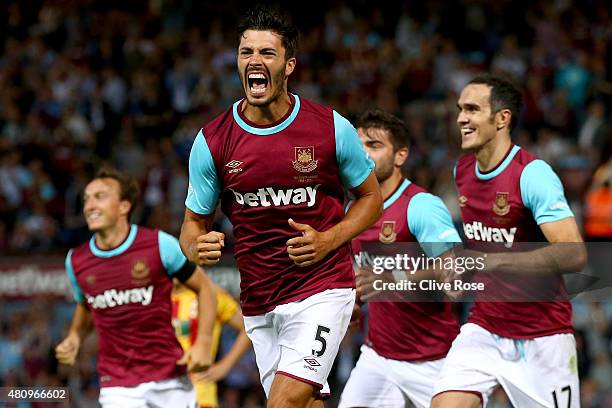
(85, 82)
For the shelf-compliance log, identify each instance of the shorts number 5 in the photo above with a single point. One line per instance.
(321, 339)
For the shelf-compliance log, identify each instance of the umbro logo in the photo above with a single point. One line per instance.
(312, 362)
(234, 166)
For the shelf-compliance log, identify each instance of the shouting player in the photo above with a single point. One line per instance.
(508, 196)
(280, 165)
(185, 321)
(122, 280)
(407, 341)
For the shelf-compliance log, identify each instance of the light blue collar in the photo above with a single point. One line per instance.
(500, 168)
(115, 251)
(393, 198)
(266, 130)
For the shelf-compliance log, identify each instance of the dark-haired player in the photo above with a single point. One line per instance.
(508, 196)
(280, 166)
(407, 341)
(122, 282)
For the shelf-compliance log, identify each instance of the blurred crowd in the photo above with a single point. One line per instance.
(87, 82)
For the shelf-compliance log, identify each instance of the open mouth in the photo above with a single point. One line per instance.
(467, 131)
(93, 217)
(258, 83)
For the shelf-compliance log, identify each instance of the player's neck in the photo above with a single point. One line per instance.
(492, 153)
(271, 113)
(391, 184)
(113, 237)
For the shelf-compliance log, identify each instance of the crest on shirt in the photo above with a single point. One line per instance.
(462, 201)
(501, 206)
(304, 159)
(387, 233)
(140, 270)
(90, 279)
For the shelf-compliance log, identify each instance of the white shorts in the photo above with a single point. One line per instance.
(540, 372)
(377, 381)
(175, 392)
(301, 339)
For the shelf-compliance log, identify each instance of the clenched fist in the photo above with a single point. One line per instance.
(208, 248)
(67, 351)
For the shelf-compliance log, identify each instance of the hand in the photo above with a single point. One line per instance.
(309, 248)
(364, 283)
(67, 351)
(215, 373)
(449, 275)
(197, 358)
(209, 248)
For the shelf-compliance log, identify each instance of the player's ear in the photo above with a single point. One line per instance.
(401, 155)
(289, 66)
(124, 207)
(503, 118)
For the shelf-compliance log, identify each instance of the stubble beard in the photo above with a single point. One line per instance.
(278, 93)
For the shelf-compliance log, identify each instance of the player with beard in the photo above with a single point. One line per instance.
(407, 341)
(122, 281)
(280, 166)
(507, 197)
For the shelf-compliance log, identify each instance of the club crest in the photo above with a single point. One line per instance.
(501, 206)
(304, 159)
(140, 270)
(387, 233)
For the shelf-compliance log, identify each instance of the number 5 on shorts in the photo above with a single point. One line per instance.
(321, 339)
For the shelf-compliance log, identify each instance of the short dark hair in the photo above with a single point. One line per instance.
(379, 119)
(269, 18)
(128, 186)
(504, 95)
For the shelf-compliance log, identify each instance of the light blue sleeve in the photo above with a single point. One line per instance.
(170, 253)
(203, 192)
(76, 290)
(542, 193)
(354, 163)
(430, 222)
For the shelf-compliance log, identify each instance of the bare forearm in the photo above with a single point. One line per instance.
(362, 214)
(81, 321)
(207, 310)
(240, 346)
(557, 258)
(190, 230)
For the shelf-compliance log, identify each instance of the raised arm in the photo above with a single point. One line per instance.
(198, 244)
